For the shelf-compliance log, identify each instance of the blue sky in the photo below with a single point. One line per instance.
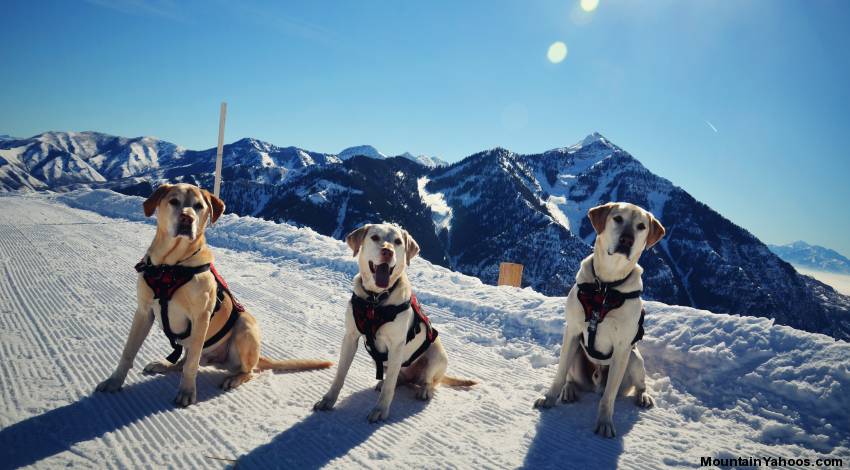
(745, 104)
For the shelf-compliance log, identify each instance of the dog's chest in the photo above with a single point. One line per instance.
(395, 332)
(615, 331)
(178, 317)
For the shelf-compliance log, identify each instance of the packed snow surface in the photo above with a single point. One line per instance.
(726, 386)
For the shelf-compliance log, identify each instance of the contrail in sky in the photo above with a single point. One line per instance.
(711, 126)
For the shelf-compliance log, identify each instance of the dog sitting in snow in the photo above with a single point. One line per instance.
(179, 286)
(605, 315)
(383, 308)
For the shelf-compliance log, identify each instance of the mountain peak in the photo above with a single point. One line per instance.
(593, 138)
(252, 142)
(362, 150)
(425, 160)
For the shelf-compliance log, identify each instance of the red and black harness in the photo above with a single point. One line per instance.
(598, 298)
(370, 316)
(165, 279)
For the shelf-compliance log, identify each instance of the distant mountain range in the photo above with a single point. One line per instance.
(814, 257)
(492, 206)
(372, 152)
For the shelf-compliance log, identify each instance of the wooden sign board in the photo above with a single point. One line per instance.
(510, 274)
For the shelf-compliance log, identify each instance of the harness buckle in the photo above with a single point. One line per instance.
(594, 320)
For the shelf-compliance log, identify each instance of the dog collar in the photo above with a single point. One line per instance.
(375, 298)
(607, 285)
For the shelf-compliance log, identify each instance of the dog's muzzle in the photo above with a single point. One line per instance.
(625, 243)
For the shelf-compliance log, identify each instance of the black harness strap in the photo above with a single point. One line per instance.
(165, 280)
(597, 299)
(369, 317)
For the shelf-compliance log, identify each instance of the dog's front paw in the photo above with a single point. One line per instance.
(605, 427)
(157, 367)
(425, 393)
(569, 393)
(644, 400)
(545, 402)
(186, 397)
(379, 413)
(112, 384)
(326, 403)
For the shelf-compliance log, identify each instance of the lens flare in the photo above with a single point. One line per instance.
(557, 52)
(589, 5)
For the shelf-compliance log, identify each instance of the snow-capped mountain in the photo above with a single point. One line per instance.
(362, 151)
(55, 159)
(425, 160)
(6, 137)
(815, 257)
(490, 207)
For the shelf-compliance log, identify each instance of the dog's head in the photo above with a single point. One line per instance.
(384, 252)
(183, 209)
(624, 229)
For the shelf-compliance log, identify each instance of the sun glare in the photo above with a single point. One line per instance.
(589, 5)
(557, 52)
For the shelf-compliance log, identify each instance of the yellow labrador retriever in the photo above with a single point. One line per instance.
(384, 309)
(605, 315)
(180, 288)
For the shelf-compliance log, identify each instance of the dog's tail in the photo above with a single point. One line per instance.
(456, 382)
(292, 364)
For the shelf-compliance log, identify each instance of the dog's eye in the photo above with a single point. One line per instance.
(174, 202)
(641, 226)
(618, 219)
(398, 241)
(375, 238)
(198, 206)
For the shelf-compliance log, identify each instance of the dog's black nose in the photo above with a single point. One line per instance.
(627, 240)
(186, 219)
(386, 253)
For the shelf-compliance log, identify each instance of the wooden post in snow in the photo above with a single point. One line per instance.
(222, 115)
(510, 274)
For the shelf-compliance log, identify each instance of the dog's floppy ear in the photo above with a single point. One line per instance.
(152, 202)
(656, 232)
(410, 246)
(598, 215)
(216, 206)
(355, 238)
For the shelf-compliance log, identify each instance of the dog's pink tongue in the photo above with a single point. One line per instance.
(382, 275)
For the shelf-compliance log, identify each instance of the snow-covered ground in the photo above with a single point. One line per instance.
(726, 386)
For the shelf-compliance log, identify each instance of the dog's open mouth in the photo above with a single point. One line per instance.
(381, 273)
(184, 230)
(623, 250)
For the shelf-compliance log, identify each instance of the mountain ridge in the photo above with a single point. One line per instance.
(492, 206)
(800, 253)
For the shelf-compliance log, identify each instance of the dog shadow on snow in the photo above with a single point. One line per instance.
(58, 430)
(565, 437)
(326, 435)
